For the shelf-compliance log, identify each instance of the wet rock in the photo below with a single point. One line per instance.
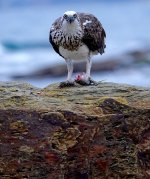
(98, 131)
(128, 60)
(60, 70)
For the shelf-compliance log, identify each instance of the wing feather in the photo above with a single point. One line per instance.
(55, 26)
(94, 34)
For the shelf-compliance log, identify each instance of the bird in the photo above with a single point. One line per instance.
(77, 36)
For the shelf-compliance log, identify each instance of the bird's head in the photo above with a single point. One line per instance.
(70, 17)
(71, 22)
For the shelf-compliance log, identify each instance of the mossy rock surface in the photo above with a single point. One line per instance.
(95, 132)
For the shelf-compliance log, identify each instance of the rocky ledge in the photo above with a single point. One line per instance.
(85, 132)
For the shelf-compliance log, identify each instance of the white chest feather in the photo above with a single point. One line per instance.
(80, 54)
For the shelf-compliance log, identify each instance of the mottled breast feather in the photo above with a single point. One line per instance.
(94, 34)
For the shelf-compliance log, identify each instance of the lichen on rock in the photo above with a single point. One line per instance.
(78, 132)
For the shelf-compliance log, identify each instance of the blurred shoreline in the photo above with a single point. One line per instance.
(103, 69)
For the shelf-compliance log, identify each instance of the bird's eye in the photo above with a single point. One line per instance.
(75, 15)
(65, 16)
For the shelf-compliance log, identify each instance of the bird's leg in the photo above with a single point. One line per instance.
(86, 78)
(69, 81)
(88, 69)
(70, 70)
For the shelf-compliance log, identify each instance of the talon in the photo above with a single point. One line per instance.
(83, 82)
(92, 82)
(66, 84)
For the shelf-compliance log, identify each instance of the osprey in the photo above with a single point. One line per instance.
(77, 36)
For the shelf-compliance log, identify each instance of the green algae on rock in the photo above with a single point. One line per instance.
(78, 132)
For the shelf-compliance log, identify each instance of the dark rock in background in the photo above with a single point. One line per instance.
(79, 132)
(128, 60)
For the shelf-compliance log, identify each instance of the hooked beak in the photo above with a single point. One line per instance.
(70, 19)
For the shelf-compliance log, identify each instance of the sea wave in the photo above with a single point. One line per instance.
(25, 60)
(16, 46)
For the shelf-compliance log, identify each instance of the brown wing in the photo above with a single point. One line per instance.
(55, 26)
(94, 34)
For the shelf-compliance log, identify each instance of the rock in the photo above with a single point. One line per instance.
(88, 132)
(128, 60)
(58, 70)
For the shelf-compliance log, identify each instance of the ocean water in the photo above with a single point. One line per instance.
(24, 31)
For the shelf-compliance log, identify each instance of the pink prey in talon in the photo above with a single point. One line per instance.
(82, 79)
